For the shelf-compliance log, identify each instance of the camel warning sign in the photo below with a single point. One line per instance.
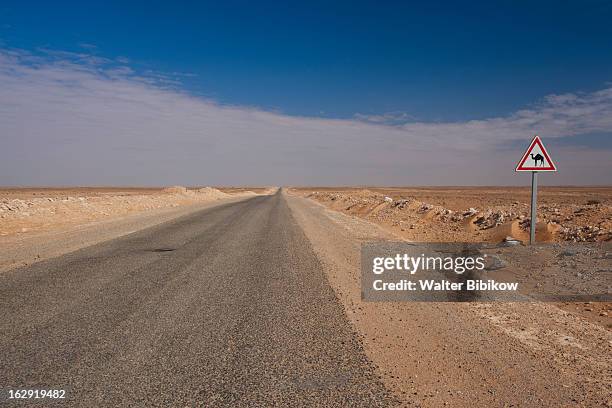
(536, 158)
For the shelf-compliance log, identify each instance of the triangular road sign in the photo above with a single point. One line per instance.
(536, 158)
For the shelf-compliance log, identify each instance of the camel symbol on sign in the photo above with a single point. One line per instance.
(538, 158)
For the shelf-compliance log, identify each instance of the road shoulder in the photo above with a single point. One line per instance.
(420, 348)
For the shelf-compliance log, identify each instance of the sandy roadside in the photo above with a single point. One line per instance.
(24, 249)
(30, 211)
(575, 223)
(476, 214)
(449, 354)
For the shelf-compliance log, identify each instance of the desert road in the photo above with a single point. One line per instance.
(228, 306)
(256, 301)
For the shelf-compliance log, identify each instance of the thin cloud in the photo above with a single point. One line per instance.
(388, 118)
(88, 46)
(74, 118)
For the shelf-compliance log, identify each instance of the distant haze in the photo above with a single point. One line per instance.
(76, 119)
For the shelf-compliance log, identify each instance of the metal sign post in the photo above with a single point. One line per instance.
(534, 207)
(536, 159)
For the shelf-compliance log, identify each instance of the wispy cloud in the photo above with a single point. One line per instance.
(77, 118)
(88, 46)
(387, 118)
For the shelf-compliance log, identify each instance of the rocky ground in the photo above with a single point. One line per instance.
(565, 214)
(575, 227)
(493, 354)
(34, 210)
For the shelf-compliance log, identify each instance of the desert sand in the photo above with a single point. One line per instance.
(483, 214)
(35, 210)
(493, 354)
(576, 222)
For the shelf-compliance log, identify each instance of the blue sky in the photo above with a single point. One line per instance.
(389, 84)
(431, 61)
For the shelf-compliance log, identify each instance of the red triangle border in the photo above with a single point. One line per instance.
(536, 140)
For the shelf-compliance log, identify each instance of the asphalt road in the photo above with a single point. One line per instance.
(228, 306)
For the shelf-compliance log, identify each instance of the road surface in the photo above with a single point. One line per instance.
(228, 306)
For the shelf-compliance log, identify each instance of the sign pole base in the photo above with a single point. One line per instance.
(534, 199)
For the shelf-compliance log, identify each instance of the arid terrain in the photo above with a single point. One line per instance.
(483, 214)
(494, 354)
(34, 210)
(578, 220)
(39, 223)
(271, 279)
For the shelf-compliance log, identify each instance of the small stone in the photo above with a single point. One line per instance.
(511, 241)
(568, 252)
(494, 262)
(471, 211)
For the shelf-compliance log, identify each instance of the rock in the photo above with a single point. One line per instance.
(492, 218)
(512, 241)
(588, 233)
(603, 313)
(401, 204)
(424, 208)
(388, 199)
(567, 252)
(494, 262)
(471, 211)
